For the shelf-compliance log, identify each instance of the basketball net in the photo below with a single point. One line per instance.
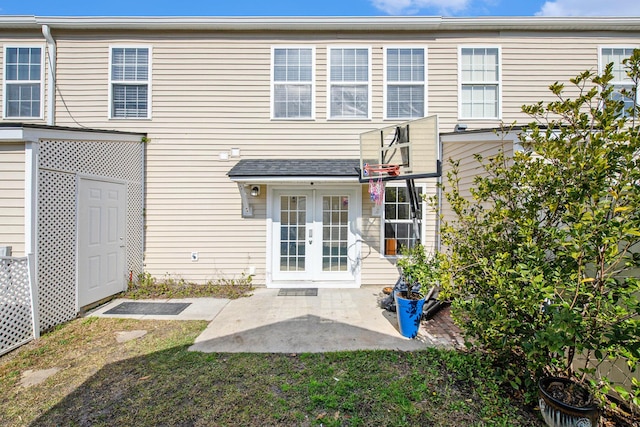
(376, 187)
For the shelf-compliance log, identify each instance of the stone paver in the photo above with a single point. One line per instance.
(124, 336)
(30, 378)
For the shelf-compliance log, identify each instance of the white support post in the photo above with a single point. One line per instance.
(33, 288)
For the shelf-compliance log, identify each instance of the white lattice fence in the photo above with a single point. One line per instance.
(18, 323)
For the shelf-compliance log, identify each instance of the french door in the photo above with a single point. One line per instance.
(314, 237)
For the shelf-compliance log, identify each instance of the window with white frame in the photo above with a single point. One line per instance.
(620, 80)
(405, 85)
(398, 227)
(130, 82)
(293, 76)
(349, 83)
(479, 83)
(23, 74)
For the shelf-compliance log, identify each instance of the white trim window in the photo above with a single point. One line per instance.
(130, 82)
(620, 80)
(397, 231)
(480, 88)
(349, 83)
(292, 83)
(23, 82)
(405, 83)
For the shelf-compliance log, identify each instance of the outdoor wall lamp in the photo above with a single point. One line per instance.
(255, 190)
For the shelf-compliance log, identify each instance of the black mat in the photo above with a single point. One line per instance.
(298, 292)
(154, 308)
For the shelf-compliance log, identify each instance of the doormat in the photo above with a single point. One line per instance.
(152, 308)
(298, 292)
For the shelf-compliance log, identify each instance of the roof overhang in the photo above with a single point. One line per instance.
(292, 171)
(324, 23)
(250, 173)
(27, 132)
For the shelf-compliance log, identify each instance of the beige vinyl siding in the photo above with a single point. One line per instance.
(464, 152)
(211, 93)
(12, 177)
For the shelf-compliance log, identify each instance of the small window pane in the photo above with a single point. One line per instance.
(349, 101)
(129, 101)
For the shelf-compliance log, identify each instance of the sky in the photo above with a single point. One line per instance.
(466, 8)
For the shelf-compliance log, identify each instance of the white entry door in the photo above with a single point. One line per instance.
(314, 238)
(101, 239)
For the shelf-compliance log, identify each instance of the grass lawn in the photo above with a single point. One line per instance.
(155, 380)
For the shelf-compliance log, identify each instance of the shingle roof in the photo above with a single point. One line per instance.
(343, 168)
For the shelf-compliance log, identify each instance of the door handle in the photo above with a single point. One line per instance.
(310, 236)
(122, 245)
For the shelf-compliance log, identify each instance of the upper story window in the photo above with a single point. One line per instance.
(292, 85)
(620, 80)
(479, 83)
(23, 77)
(398, 231)
(405, 83)
(349, 83)
(130, 82)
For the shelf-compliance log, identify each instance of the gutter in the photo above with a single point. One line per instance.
(51, 56)
(329, 23)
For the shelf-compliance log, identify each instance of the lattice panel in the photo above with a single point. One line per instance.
(135, 228)
(113, 159)
(15, 304)
(57, 214)
(56, 248)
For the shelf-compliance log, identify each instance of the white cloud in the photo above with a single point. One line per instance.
(410, 7)
(590, 8)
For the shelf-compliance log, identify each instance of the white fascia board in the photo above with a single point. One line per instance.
(243, 23)
(479, 136)
(12, 134)
(33, 134)
(293, 180)
(19, 22)
(385, 23)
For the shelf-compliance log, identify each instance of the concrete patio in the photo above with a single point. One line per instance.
(334, 320)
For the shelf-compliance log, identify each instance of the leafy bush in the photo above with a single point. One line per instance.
(542, 262)
(419, 270)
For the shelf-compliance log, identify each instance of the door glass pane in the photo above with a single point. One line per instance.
(334, 240)
(293, 231)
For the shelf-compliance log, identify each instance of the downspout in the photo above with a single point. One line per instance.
(51, 56)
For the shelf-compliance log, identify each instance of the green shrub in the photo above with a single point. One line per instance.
(542, 262)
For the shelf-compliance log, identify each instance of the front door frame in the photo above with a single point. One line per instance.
(328, 280)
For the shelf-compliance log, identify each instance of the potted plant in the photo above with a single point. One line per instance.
(563, 402)
(417, 276)
(542, 257)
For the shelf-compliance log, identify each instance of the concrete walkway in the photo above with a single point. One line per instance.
(334, 320)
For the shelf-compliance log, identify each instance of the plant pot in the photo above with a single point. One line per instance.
(409, 313)
(557, 413)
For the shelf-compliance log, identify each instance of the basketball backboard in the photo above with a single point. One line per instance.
(412, 146)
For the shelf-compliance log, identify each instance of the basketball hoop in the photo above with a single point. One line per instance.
(376, 186)
(391, 170)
